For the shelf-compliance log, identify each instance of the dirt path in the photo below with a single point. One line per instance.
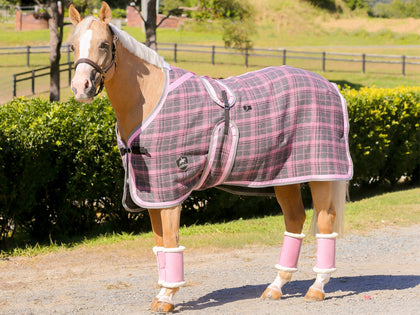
(378, 273)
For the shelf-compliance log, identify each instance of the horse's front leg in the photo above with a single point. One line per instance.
(165, 224)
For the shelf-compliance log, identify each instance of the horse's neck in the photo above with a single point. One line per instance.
(134, 90)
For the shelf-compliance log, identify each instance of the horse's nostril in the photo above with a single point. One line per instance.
(87, 84)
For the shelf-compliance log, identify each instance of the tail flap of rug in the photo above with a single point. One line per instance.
(127, 201)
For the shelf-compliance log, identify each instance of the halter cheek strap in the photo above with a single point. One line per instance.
(98, 68)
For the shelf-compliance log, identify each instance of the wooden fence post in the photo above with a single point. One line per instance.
(284, 56)
(246, 57)
(33, 82)
(364, 63)
(175, 52)
(213, 53)
(14, 85)
(69, 64)
(28, 52)
(323, 61)
(403, 65)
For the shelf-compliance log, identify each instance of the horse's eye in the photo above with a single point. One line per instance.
(71, 47)
(104, 45)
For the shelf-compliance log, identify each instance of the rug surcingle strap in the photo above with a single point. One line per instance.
(226, 103)
(134, 150)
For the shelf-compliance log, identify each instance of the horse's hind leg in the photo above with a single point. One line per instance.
(169, 254)
(290, 200)
(322, 197)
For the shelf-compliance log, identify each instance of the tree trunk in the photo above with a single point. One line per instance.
(150, 24)
(56, 39)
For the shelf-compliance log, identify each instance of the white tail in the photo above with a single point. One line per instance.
(339, 191)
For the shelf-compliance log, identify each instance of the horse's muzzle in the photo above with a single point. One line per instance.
(83, 86)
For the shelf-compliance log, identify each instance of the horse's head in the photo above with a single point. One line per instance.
(94, 52)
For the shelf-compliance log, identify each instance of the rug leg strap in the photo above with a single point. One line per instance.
(170, 266)
(290, 251)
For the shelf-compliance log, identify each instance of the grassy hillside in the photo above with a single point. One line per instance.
(291, 24)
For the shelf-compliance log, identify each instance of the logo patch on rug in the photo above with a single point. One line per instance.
(182, 163)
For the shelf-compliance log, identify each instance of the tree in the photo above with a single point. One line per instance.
(150, 23)
(149, 17)
(55, 10)
(56, 23)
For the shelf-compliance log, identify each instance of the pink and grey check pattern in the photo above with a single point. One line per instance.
(287, 126)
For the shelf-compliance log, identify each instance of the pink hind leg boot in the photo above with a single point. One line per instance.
(325, 265)
(286, 265)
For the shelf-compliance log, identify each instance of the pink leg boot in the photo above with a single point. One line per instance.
(325, 265)
(286, 265)
(171, 276)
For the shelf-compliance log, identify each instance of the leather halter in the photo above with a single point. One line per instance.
(98, 68)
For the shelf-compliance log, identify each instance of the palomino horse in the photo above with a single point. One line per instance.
(265, 132)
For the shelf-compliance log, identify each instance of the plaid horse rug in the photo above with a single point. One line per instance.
(275, 126)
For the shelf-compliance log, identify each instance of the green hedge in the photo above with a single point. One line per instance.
(60, 169)
(61, 173)
(384, 133)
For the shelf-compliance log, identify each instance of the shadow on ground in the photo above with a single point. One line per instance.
(347, 286)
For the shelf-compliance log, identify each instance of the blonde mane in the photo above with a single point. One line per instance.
(129, 42)
(138, 49)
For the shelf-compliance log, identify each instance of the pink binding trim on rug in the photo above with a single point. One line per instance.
(212, 153)
(167, 89)
(232, 154)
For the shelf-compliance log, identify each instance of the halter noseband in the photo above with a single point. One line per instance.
(97, 67)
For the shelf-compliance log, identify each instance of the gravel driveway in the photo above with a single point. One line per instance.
(377, 273)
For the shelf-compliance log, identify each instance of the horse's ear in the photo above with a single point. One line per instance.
(75, 17)
(105, 14)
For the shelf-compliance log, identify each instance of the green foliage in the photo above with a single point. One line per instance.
(398, 9)
(238, 26)
(119, 13)
(324, 4)
(225, 9)
(86, 7)
(357, 4)
(384, 133)
(172, 5)
(237, 34)
(61, 171)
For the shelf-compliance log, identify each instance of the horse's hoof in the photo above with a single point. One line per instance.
(314, 295)
(154, 303)
(271, 293)
(161, 307)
